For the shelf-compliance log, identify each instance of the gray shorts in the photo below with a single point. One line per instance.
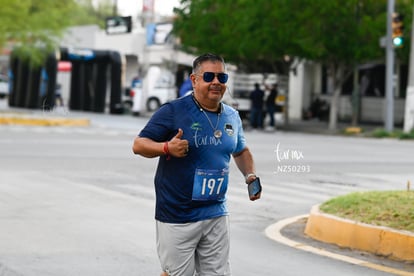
(199, 247)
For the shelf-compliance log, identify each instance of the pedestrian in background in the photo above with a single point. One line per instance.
(256, 110)
(58, 94)
(186, 88)
(271, 105)
(194, 138)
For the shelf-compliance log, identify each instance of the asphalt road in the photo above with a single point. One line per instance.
(76, 201)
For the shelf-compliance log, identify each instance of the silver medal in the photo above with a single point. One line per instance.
(217, 133)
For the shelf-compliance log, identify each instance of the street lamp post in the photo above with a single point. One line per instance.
(389, 78)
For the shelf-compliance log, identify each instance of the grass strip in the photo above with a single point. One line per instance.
(394, 209)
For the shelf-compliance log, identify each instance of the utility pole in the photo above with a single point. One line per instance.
(389, 74)
(356, 98)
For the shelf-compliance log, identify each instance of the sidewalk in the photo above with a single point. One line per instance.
(316, 126)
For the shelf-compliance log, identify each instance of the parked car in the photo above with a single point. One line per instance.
(4, 86)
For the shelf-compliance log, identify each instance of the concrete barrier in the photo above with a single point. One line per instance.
(383, 241)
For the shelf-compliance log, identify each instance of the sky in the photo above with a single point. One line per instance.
(132, 7)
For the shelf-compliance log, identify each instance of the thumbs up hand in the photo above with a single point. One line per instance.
(178, 147)
(179, 134)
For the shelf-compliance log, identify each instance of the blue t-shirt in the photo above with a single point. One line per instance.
(193, 188)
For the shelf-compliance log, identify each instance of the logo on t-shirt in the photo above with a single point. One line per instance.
(196, 126)
(228, 128)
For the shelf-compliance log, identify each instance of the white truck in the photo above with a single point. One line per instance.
(240, 85)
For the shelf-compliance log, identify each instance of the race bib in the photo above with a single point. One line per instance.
(210, 184)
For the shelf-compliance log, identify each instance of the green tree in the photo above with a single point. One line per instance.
(35, 27)
(242, 31)
(340, 35)
(269, 34)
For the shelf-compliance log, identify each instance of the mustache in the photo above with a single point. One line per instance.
(215, 87)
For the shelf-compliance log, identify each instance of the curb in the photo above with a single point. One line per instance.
(33, 121)
(383, 241)
(273, 232)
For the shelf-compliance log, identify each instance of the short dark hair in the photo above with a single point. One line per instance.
(206, 57)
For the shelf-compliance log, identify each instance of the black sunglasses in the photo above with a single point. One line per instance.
(209, 77)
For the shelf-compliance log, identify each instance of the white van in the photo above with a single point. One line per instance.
(157, 88)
